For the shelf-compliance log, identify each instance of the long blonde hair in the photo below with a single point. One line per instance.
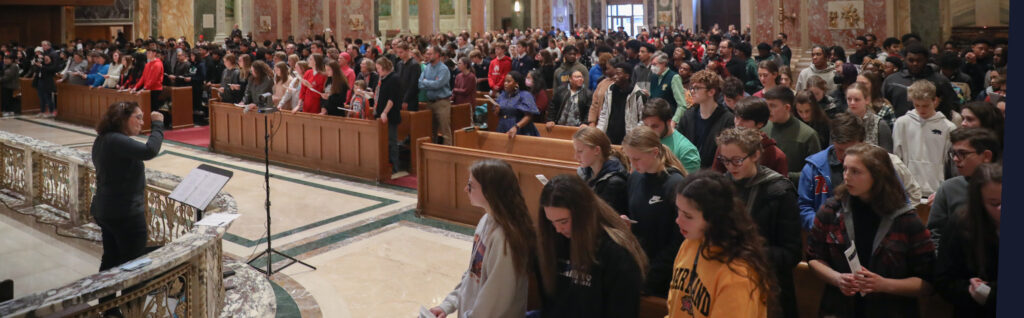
(644, 139)
(593, 137)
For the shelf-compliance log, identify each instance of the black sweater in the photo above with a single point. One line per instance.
(652, 204)
(720, 119)
(120, 173)
(610, 289)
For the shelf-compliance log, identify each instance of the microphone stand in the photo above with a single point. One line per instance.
(270, 251)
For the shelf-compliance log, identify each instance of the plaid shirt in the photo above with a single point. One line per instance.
(906, 250)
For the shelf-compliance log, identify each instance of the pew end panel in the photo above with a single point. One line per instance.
(461, 116)
(415, 125)
(29, 97)
(181, 107)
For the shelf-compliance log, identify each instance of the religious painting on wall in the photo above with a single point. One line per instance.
(446, 7)
(120, 12)
(845, 15)
(664, 14)
(356, 22)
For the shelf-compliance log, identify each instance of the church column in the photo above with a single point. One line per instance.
(429, 17)
(222, 23)
(477, 13)
(400, 9)
(460, 15)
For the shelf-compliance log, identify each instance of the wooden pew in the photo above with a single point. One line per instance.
(29, 97)
(557, 132)
(82, 105)
(415, 125)
(349, 146)
(443, 170)
(462, 116)
(181, 107)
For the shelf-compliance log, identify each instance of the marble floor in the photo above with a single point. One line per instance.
(374, 257)
(37, 261)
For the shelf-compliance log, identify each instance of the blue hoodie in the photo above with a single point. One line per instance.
(815, 186)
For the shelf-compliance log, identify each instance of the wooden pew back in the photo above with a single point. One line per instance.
(550, 148)
(557, 132)
(81, 105)
(350, 146)
(443, 171)
(415, 125)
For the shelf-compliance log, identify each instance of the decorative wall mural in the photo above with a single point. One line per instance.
(120, 11)
(845, 15)
(356, 22)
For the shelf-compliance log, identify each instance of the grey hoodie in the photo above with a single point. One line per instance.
(827, 74)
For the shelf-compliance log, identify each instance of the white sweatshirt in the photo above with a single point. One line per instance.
(923, 145)
(490, 287)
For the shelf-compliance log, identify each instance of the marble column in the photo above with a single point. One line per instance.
(244, 15)
(460, 16)
(402, 8)
(222, 23)
(477, 14)
(429, 17)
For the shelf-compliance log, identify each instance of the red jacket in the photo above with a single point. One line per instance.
(152, 76)
(499, 69)
(771, 157)
(311, 100)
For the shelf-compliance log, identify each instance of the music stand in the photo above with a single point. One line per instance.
(200, 186)
(270, 251)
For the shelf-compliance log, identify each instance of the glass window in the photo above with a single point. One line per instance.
(625, 9)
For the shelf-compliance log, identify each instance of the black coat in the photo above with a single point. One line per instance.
(720, 120)
(953, 272)
(895, 90)
(609, 184)
(409, 79)
(772, 202)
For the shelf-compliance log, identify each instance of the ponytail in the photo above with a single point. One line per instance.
(644, 139)
(668, 159)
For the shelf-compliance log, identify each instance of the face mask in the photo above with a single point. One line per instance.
(529, 82)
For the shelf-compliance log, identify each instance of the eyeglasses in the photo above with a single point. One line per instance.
(696, 88)
(960, 154)
(736, 162)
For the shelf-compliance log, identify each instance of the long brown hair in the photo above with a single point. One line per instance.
(817, 114)
(593, 137)
(730, 228)
(978, 228)
(886, 193)
(283, 68)
(592, 219)
(875, 100)
(644, 139)
(116, 117)
(338, 79)
(261, 72)
(500, 187)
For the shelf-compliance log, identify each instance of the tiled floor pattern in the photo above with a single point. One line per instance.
(37, 261)
(374, 258)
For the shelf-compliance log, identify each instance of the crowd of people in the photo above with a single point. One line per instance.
(727, 156)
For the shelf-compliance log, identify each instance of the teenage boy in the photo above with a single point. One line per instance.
(753, 113)
(921, 138)
(793, 136)
(657, 115)
(971, 148)
(704, 121)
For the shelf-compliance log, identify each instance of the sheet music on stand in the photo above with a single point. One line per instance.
(200, 186)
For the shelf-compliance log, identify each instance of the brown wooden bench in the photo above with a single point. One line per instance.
(81, 105)
(349, 146)
(443, 170)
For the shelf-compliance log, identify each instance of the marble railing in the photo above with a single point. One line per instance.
(56, 185)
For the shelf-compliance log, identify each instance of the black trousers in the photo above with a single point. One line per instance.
(156, 99)
(124, 239)
(9, 103)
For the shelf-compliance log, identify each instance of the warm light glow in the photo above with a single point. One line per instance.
(516, 7)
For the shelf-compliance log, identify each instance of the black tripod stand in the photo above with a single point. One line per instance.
(270, 251)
